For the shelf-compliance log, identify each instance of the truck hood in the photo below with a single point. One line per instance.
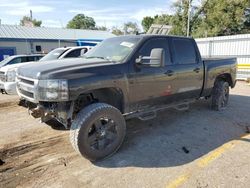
(13, 67)
(48, 69)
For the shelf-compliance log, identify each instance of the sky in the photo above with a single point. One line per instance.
(57, 13)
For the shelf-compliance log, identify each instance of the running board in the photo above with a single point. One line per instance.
(147, 116)
(151, 113)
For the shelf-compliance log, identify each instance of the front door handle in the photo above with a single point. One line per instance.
(197, 70)
(169, 73)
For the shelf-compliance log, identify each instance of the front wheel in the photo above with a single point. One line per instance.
(220, 95)
(98, 131)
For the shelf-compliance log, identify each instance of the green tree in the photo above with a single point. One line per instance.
(127, 28)
(117, 31)
(210, 18)
(26, 20)
(247, 18)
(147, 22)
(180, 18)
(101, 28)
(130, 28)
(80, 21)
(163, 19)
(224, 17)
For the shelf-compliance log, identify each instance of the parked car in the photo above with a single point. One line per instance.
(123, 77)
(67, 52)
(7, 78)
(15, 59)
(8, 72)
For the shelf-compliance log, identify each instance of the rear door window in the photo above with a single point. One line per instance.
(24, 59)
(31, 58)
(184, 51)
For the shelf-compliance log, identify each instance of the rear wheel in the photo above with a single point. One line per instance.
(98, 131)
(220, 95)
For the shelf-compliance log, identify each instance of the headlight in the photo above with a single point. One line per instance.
(53, 90)
(11, 76)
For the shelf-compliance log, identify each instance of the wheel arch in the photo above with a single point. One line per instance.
(110, 95)
(225, 77)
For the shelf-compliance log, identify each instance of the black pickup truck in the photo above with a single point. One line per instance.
(123, 77)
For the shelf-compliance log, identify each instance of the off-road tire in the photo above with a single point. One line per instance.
(220, 95)
(86, 118)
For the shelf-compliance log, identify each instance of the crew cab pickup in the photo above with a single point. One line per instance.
(123, 77)
(8, 72)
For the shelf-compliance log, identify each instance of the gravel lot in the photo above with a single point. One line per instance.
(195, 148)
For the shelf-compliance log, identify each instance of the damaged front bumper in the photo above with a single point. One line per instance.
(62, 112)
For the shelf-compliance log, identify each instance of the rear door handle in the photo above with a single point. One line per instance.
(197, 70)
(169, 73)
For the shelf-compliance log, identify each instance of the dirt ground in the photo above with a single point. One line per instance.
(195, 148)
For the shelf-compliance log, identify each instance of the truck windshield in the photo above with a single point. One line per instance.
(113, 49)
(53, 55)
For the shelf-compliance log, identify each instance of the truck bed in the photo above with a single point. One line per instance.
(215, 66)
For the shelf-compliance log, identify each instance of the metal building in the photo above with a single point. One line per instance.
(27, 40)
(229, 46)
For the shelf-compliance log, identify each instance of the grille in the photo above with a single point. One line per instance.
(28, 94)
(27, 81)
(26, 88)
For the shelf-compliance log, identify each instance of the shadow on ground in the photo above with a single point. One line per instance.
(176, 138)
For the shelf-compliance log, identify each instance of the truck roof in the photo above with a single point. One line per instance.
(151, 36)
(73, 47)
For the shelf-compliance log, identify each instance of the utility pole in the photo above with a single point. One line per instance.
(188, 21)
(31, 15)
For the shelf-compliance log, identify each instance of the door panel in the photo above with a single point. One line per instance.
(188, 68)
(151, 86)
(189, 81)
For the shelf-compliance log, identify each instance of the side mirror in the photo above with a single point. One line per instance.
(156, 58)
